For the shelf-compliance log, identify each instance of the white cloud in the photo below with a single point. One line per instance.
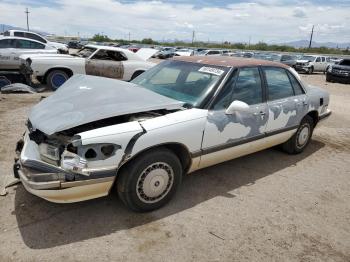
(271, 20)
(299, 12)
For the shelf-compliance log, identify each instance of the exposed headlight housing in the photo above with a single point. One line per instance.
(73, 162)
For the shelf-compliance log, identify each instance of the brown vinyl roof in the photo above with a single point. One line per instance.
(228, 61)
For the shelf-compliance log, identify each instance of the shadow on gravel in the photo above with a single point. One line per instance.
(43, 224)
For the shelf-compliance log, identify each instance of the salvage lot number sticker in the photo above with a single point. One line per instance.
(211, 70)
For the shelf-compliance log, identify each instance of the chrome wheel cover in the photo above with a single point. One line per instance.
(303, 136)
(155, 182)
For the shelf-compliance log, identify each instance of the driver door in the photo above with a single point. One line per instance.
(105, 63)
(223, 132)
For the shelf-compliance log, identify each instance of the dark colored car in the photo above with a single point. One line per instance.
(75, 45)
(339, 72)
(167, 52)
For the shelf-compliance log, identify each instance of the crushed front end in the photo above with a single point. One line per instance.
(53, 170)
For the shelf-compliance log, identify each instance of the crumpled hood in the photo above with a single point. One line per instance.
(84, 99)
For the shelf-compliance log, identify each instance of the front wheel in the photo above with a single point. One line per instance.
(56, 78)
(298, 142)
(149, 181)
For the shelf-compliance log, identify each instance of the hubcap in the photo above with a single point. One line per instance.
(303, 135)
(58, 80)
(154, 182)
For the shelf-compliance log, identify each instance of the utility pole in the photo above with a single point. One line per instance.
(193, 34)
(27, 13)
(129, 37)
(250, 38)
(312, 33)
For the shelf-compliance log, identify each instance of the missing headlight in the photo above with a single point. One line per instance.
(95, 152)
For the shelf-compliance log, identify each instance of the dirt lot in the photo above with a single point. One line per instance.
(267, 206)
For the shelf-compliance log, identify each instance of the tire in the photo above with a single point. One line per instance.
(328, 78)
(311, 70)
(299, 141)
(150, 180)
(136, 74)
(56, 78)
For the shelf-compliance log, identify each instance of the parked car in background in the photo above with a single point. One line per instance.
(164, 53)
(11, 48)
(339, 72)
(62, 48)
(313, 63)
(286, 59)
(142, 137)
(107, 61)
(184, 52)
(75, 45)
(210, 52)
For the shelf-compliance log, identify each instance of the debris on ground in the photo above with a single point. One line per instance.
(3, 191)
(17, 88)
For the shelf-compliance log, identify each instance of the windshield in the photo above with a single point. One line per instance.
(186, 82)
(85, 52)
(345, 62)
(308, 58)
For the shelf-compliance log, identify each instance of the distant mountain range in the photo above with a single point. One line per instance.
(297, 44)
(305, 43)
(4, 28)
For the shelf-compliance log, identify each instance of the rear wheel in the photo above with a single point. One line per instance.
(149, 181)
(298, 142)
(56, 78)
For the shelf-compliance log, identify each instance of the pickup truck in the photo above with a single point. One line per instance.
(313, 63)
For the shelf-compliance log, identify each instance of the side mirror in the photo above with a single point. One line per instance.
(237, 106)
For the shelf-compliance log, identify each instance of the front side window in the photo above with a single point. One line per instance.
(187, 82)
(323, 59)
(318, 59)
(278, 83)
(85, 52)
(248, 86)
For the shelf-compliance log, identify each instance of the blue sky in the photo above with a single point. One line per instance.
(273, 21)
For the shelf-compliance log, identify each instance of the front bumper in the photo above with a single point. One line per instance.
(301, 68)
(55, 184)
(325, 115)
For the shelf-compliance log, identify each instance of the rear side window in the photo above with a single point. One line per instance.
(35, 37)
(298, 90)
(27, 44)
(278, 83)
(19, 34)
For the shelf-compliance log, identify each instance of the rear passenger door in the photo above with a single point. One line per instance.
(284, 104)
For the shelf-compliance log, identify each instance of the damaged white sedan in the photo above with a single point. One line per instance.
(106, 61)
(95, 133)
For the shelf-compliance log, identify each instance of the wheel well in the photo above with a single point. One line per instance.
(314, 116)
(178, 149)
(66, 70)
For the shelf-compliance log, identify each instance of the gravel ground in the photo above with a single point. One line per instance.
(267, 206)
